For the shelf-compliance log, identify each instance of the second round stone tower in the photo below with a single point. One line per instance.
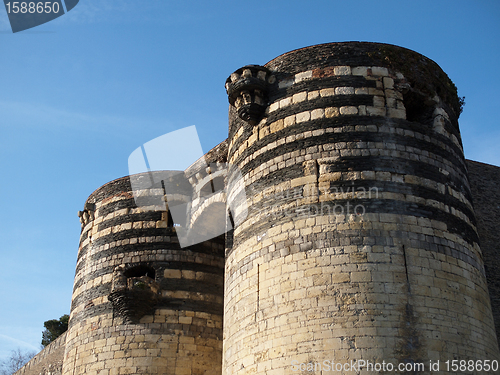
(142, 304)
(360, 241)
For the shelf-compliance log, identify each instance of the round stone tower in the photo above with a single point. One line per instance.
(142, 304)
(360, 241)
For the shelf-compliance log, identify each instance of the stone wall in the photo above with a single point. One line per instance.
(360, 241)
(485, 187)
(49, 361)
(142, 304)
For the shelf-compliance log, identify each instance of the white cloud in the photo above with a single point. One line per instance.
(8, 344)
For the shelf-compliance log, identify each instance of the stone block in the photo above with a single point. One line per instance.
(161, 224)
(378, 101)
(360, 277)
(299, 77)
(343, 277)
(388, 83)
(172, 274)
(391, 102)
(274, 106)
(317, 113)
(348, 110)
(331, 112)
(288, 121)
(185, 320)
(342, 70)
(277, 126)
(327, 92)
(264, 132)
(368, 175)
(299, 97)
(361, 91)
(303, 116)
(374, 91)
(379, 71)
(359, 71)
(253, 138)
(383, 176)
(393, 94)
(375, 111)
(285, 102)
(313, 95)
(344, 90)
(397, 113)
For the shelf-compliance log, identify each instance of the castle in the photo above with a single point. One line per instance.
(361, 242)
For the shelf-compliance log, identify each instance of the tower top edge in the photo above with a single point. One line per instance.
(421, 72)
(342, 47)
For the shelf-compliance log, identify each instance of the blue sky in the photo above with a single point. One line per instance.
(80, 93)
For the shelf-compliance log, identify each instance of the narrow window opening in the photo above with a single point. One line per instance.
(419, 108)
(167, 216)
(139, 271)
(231, 220)
(170, 221)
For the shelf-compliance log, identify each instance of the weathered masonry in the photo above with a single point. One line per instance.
(140, 303)
(362, 239)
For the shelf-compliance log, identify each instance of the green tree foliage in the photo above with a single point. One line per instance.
(461, 101)
(17, 359)
(54, 328)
